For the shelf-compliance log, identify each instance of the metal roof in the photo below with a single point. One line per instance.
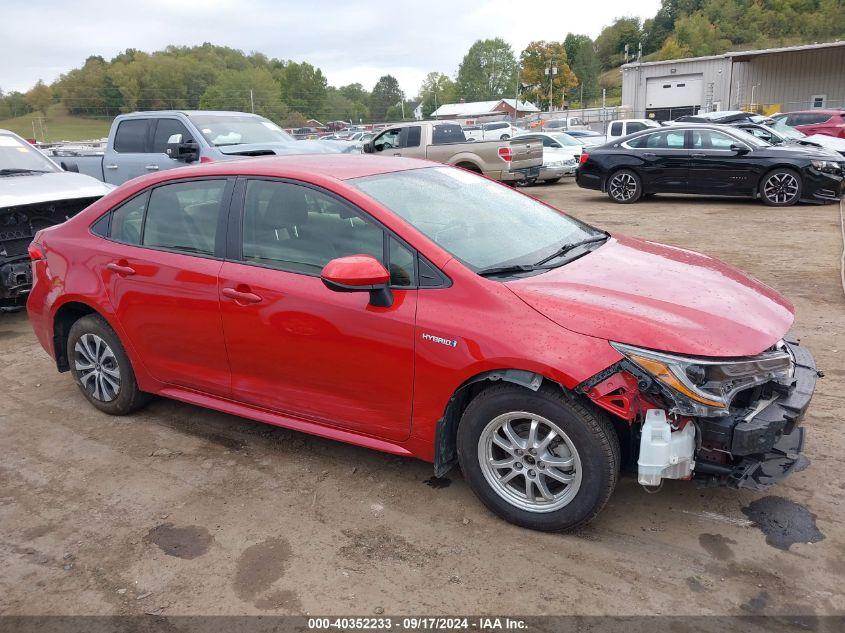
(740, 56)
(478, 108)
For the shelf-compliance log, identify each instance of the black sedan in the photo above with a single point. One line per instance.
(711, 160)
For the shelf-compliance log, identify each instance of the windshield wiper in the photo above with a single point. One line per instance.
(563, 250)
(504, 270)
(16, 170)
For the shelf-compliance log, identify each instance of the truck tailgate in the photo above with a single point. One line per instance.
(526, 153)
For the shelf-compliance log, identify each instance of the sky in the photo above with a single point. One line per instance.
(350, 41)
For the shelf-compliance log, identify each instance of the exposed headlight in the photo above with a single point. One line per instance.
(706, 387)
(826, 165)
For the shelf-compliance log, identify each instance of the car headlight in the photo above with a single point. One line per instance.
(555, 163)
(706, 387)
(826, 165)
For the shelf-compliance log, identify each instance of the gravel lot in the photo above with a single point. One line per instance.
(181, 510)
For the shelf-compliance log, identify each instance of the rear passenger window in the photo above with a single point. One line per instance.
(413, 139)
(127, 220)
(131, 136)
(659, 140)
(616, 129)
(184, 216)
(299, 229)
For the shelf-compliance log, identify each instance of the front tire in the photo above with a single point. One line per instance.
(624, 187)
(539, 459)
(781, 188)
(101, 368)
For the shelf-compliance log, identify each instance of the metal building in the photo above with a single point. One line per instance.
(766, 81)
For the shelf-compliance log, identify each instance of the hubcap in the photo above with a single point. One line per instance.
(623, 187)
(96, 368)
(780, 188)
(529, 461)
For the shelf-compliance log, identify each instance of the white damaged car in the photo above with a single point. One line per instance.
(34, 193)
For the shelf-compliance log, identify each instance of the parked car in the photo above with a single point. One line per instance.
(719, 116)
(34, 193)
(778, 132)
(830, 122)
(496, 130)
(444, 141)
(373, 300)
(563, 124)
(624, 127)
(561, 154)
(144, 142)
(711, 160)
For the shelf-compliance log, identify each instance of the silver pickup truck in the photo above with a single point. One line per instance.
(144, 142)
(511, 161)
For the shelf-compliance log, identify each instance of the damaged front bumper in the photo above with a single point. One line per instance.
(756, 449)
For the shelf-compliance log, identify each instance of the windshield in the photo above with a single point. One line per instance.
(780, 126)
(749, 138)
(220, 130)
(16, 155)
(565, 139)
(482, 223)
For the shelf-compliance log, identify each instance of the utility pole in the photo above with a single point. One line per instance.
(516, 95)
(251, 102)
(551, 71)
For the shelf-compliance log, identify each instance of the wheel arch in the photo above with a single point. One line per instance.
(468, 165)
(63, 319)
(446, 431)
(769, 170)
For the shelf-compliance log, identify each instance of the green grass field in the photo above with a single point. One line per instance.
(60, 126)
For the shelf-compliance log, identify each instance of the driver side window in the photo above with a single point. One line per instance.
(388, 140)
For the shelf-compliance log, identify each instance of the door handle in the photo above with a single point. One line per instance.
(120, 269)
(151, 167)
(111, 166)
(397, 154)
(241, 297)
(698, 155)
(649, 154)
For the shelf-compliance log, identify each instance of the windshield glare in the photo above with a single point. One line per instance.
(749, 138)
(221, 130)
(780, 126)
(15, 153)
(482, 223)
(565, 139)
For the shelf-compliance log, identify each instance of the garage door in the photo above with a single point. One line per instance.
(673, 96)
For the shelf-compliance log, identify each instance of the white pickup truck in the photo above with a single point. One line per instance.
(510, 160)
(624, 127)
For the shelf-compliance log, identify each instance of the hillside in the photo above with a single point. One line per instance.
(60, 126)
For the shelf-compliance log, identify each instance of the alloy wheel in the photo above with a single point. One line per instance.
(781, 188)
(623, 187)
(97, 368)
(529, 461)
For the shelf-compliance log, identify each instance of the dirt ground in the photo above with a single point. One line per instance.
(181, 510)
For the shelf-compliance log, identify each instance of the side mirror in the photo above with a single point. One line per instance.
(359, 273)
(739, 150)
(186, 152)
(369, 148)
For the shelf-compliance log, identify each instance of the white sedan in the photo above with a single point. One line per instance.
(561, 154)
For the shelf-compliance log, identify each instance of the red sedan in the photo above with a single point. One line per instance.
(426, 311)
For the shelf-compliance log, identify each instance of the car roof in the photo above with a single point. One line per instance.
(337, 166)
(814, 111)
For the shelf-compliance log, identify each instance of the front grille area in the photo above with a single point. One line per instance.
(19, 224)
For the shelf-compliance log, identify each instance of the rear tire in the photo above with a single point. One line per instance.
(551, 181)
(571, 475)
(781, 188)
(624, 187)
(101, 368)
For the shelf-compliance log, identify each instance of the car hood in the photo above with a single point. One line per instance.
(61, 185)
(294, 147)
(828, 142)
(660, 297)
(796, 150)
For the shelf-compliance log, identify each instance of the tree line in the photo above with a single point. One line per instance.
(289, 92)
